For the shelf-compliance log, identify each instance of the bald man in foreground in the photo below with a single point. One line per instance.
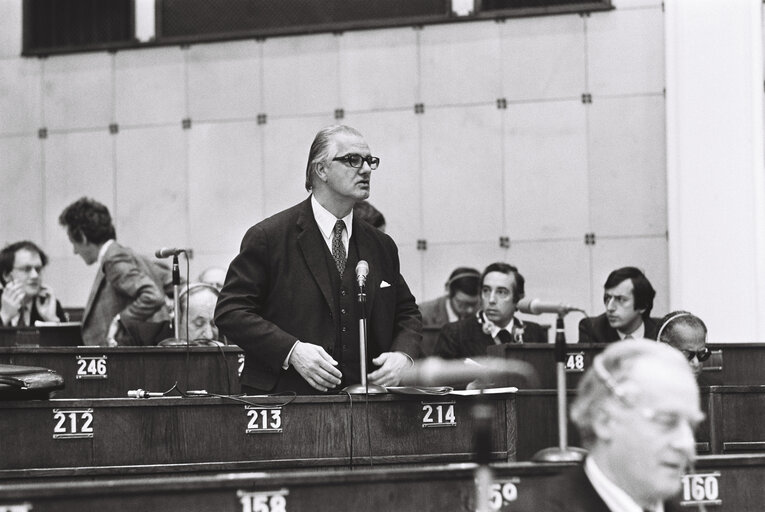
(636, 410)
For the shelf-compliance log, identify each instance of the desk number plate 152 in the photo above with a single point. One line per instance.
(438, 414)
(73, 424)
(91, 367)
(267, 501)
(263, 420)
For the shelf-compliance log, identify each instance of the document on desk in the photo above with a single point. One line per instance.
(489, 391)
(420, 390)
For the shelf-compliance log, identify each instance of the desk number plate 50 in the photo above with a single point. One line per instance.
(267, 501)
(701, 488)
(438, 414)
(263, 420)
(73, 424)
(91, 367)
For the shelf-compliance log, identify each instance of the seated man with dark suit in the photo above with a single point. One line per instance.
(628, 299)
(24, 299)
(461, 301)
(636, 410)
(502, 286)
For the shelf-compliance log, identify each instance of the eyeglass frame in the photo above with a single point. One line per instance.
(372, 161)
(701, 355)
(27, 269)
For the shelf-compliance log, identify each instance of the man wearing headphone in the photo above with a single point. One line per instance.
(688, 334)
(461, 301)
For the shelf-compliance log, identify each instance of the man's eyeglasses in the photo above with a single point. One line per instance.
(357, 161)
(702, 355)
(29, 268)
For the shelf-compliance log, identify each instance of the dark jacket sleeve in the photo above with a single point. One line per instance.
(448, 343)
(585, 330)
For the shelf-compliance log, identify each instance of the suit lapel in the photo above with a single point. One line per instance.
(309, 239)
(93, 293)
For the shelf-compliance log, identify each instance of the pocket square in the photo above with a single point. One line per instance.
(384, 284)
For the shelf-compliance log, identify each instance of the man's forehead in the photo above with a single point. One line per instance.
(688, 337)
(346, 142)
(498, 279)
(26, 255)
(664, 383)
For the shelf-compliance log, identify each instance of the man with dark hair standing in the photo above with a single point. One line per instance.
(290, 296)
(461, 301)
(25, 299)
(502, 286)
(628, 298)
(126, 285)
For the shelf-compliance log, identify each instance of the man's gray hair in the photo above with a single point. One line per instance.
(320, 149)
(611, 368)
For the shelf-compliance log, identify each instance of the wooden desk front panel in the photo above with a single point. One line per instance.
(309, 431)
(94, 372)
(739, 416)
(727, 484)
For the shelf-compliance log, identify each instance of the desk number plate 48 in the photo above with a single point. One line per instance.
(575, 362)
(263, 420)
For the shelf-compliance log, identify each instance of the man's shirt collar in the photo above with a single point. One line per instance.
(636, 334)
(102, 252)
(326, 220)
(616, 499)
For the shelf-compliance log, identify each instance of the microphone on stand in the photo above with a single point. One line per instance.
(166, 252)
(362, 271)
(537, 306)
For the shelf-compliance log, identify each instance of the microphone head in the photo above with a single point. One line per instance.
(525, 305)
(362, 268)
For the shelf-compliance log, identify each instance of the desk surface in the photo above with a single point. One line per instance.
(159, 435)
(726, 483)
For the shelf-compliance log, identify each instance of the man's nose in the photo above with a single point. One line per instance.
(684, 439)
(610, 304)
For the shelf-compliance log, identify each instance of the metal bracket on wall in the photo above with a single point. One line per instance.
(339, 113)
(419, 108)
(114, 128)
(589, 239)
(504, 242)
(262, 118)
(586, 98)
(42, 133)
(422, 245)
(186, 123)
(501, 103)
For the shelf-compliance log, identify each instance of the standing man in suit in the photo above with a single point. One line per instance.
(290, 296)
(628, 298)
(636, 410)
(126, 285)
(25, 299)
(462, 299)
(502, 286)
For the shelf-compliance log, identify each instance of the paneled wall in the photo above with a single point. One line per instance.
(540, 130)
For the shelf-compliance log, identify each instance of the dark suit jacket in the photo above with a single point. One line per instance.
(465, 338)
(572, 491)
(278, 290)
(434, 312)
(127, 284)
(35, 315)
(596, 329)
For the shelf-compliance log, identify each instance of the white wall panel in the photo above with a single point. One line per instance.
(628, 183)
(286, 143)
(22, 206)
(76, 164)
(300, 75)
(150, 86)
(460, 63)
(555, 271)
(20, 96)
(78, 92)
(396, 184)
(378, 69)
(411, 268)
(546, 192)
(439, 260)
(625, 51)
(225, 184)
(462, 174)
(10, 28)
(151, 208)
(543, 58)
(649, 254)
(70, 279)
(636, 4)
(224, 80)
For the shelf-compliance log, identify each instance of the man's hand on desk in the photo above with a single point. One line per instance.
(315, 365)
(391, 366)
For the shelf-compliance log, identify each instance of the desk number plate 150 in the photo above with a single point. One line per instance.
(438, 414)
(267, 501)
(73, 424)
(91, 367)
(263, 420)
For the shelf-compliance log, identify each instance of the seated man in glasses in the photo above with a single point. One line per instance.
(290, 299)
(25, 299)
(688, 334)
(636, 411)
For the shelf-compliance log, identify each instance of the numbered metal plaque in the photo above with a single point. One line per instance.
(575, 362)
(701, 488)
(91, 367)
(503, 492)
(263, 420)
(73, 424)
(268, 501)
(19, 507)
(438, 414)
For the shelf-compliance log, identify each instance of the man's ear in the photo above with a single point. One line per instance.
(602, 422)
(321, 171)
